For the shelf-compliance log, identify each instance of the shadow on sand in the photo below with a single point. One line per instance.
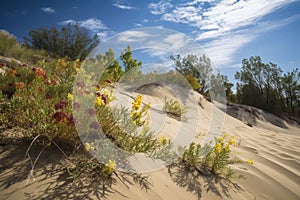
(196, 182)
(52, 177)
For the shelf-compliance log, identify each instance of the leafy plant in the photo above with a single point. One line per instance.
(214, 160)
(174, 109)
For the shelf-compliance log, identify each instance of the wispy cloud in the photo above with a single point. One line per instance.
(195, 2)
(48, 10)
(92, 24)
(223, 49)
(160, 7)
(123, 4)
(105, 34)
(132, 36)
(123, 7)
(223, 26)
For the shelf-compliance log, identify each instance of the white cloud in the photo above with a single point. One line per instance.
(48, 10)
(224, 26)
(132, 36)
(91, 24)
(105, 34)
(190, 3)
(145, 20)
(222, 16)
(187, 15)
(176, 41)
(123, 7)
(160, 7)
(161, 67)
(222, 50)
(138, 25)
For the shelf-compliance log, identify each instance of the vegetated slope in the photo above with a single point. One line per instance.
(273, 146)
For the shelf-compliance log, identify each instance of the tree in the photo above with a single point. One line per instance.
(198, 67)
(128, 62)
(113, 71)
(291, 88)
(72, 41)
(262, 85)
(257, 82)
(220, 87)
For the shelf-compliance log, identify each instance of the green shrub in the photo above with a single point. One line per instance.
(174, 109)
(10, 47)
(214, 160)
(36, 100)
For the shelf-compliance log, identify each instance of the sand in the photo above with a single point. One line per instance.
(271, 142)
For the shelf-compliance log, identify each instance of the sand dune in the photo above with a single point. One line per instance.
(271, 142)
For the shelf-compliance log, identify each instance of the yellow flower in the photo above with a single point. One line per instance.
(250, 162)
(111, 166)
(70, 97)
(224, 135)
(163, 140)
(105, 93)
(135, 122)
(89, 146)
(136, 104)
(99, 101)
(218, 147)
(139, 98)
(220, 139)
(227, 148)
(231, 141)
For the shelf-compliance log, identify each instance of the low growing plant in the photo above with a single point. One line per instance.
(216, 159)
(174, 109)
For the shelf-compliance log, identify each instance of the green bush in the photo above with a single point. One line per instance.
(174, 109)
(10, 47)
(213, 160)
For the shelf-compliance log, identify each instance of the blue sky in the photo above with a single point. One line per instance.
(227, 30)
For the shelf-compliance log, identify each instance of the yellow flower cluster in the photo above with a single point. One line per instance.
(163, 140)
(70, 97)
(99, 101)
(218, 147)
(89, 146)
(136, 104)
(250, 162)
(104, 97)
(110, 166)
(138, 112)
(221, 145)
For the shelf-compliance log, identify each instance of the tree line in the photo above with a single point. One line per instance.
(259, 84)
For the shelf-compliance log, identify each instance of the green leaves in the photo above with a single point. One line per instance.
(72, 41)
(262, 85)
(174, 109)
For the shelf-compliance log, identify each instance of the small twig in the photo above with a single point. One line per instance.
(36, 137)
(33, 164)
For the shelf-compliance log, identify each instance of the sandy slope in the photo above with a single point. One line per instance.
(274, 149)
